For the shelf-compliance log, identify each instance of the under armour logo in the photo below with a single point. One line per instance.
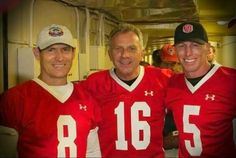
(210, 96)
(82, 107)
(150, 93)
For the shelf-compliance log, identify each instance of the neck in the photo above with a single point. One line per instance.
(53, 81)
(128, 76)
(200, 72)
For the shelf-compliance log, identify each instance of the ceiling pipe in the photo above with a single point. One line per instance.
(31, 23)
(232, 21)
(5, 50)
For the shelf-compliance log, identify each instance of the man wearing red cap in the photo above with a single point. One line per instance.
(169, 58)
(202, 99)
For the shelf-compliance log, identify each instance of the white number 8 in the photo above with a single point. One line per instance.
(66, 141)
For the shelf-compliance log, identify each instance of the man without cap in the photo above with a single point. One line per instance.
(53, 117)
(202, 99)
(131, 98)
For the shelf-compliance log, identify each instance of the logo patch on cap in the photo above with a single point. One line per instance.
(187, 28)
(171, 51)
(55, 31)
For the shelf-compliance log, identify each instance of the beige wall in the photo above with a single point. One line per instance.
(25, 22)
(225, 51)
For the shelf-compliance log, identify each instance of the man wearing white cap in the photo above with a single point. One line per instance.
(54, 117)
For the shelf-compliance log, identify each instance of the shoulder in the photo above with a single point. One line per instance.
(21, 89)
(87, 101)
(80, 89)
(227, 75)
(83, 95)
(16, 97)
(227, 70)
(177, 79)
(158, 71)
(97, 78)
(158, 74)
(98, 74)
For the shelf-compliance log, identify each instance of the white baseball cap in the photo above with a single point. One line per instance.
(55, 34)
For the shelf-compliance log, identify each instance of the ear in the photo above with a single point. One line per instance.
(208, 46)
(142, 54)
(109, 53)
(73, 50)
(36, 52)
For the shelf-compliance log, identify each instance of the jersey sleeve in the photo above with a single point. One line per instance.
(11, 108)
(95, 113)
(93, 147)
(167, 72)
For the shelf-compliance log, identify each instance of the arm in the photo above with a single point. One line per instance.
(93, 146)
(170, 132)
(171, 140)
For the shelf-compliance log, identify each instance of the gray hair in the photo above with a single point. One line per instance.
(123, 28)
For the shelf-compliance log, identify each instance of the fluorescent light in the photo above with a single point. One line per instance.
(222, 22)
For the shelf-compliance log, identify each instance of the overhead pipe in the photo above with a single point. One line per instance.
(101, 33)
(77, 34)
(31, 23)
(5, 50)
(87, 28)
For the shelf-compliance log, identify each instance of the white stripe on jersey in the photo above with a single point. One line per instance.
(61, 93)
(124, 85)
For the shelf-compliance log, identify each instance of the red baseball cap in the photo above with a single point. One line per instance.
(168, 53)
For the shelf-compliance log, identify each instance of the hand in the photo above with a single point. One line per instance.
(171, 140)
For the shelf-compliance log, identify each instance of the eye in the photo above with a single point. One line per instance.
(132, 49)
(51, 50)
(117, 49)
(196, 45)
(67, 49)
(179, 46)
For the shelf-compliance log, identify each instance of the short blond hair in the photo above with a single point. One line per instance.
(123, 28)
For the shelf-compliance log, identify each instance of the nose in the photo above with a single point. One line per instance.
(188, 50)
(59, 55)
(125, 53)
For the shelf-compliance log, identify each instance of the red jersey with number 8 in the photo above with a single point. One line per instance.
(48, 126)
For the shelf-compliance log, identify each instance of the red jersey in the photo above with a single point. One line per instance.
(132, 116)
(48, 126)
(203, 113)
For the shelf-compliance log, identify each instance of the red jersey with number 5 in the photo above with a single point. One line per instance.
(132, 116)
(203, 113)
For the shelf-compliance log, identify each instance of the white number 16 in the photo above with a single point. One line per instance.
(136, 126)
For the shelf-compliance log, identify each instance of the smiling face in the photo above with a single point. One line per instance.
(55, 61)
(126, 53)
(193, 57)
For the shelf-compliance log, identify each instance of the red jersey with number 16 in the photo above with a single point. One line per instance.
(132, 116)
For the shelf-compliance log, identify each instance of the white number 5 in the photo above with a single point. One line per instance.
(196, 149)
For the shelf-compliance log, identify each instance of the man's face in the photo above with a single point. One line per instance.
(193, 57)
(126, 53)
(55, 62)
